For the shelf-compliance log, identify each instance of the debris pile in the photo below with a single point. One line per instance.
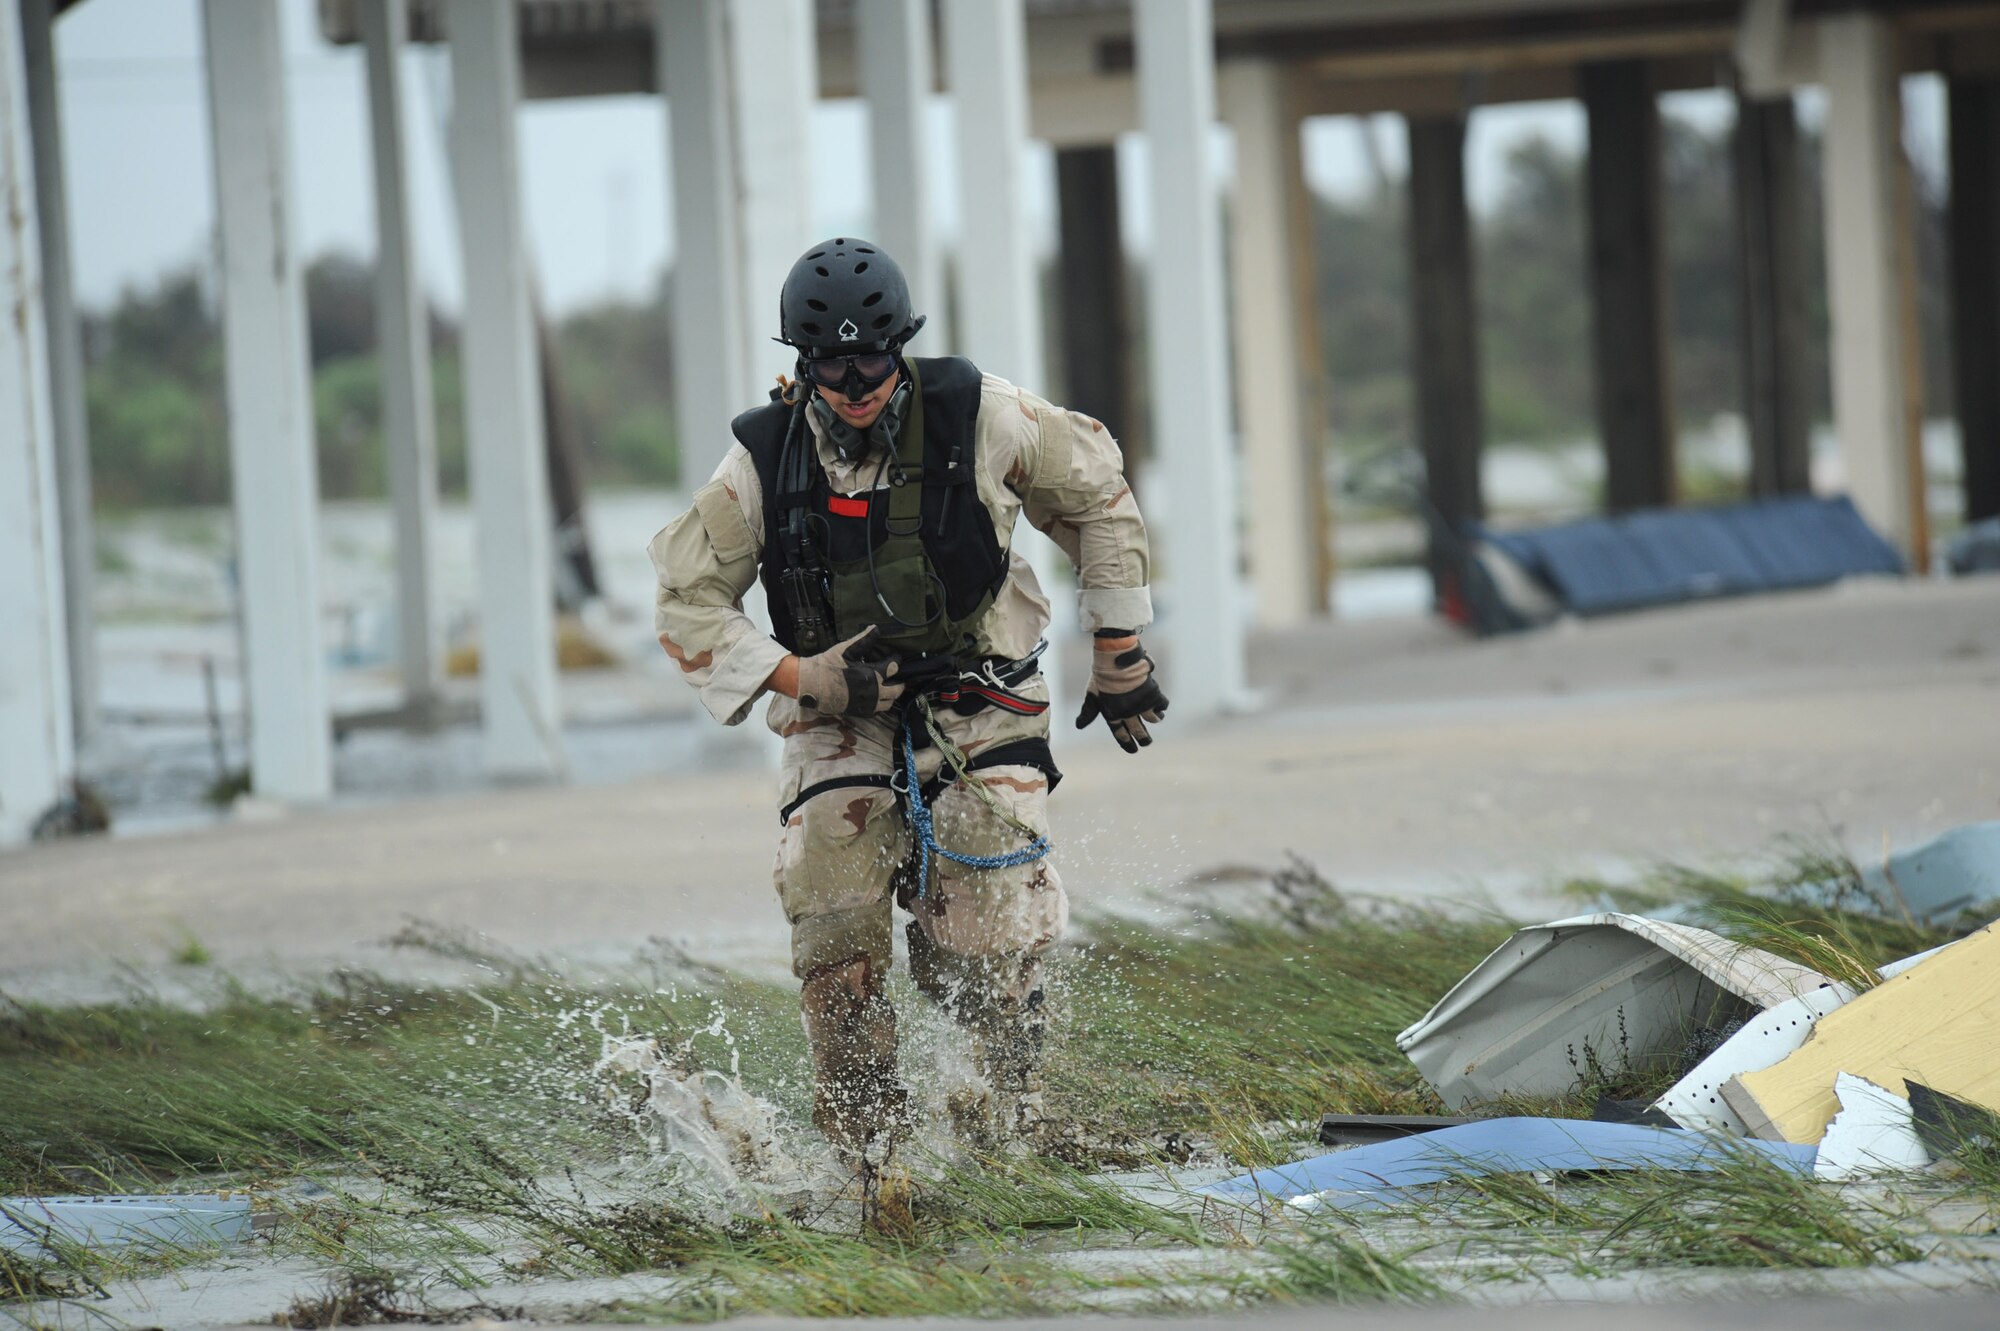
(1821, 1077)
(1612, 991)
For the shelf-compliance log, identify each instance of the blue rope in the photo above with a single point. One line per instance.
(920, 819)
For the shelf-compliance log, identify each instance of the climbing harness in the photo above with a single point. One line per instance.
(984, 683)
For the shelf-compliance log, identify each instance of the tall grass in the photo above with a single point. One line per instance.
(458, 1138)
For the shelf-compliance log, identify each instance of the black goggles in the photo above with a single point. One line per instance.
(864, 370)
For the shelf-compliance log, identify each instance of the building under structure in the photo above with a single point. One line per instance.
(1234, 400)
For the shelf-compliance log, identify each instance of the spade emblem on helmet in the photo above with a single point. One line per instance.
(848, 332)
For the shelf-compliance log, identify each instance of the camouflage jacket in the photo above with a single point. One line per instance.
(1062, 467)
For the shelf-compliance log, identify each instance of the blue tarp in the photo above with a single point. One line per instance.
(1372, 1175)
(1941, 877)
(1662, 556)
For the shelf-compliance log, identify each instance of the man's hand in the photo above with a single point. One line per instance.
(1122, 691)
(840, 682)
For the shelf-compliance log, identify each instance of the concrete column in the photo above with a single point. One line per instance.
(986, 62)
(1445, 321)
(1186, 319)
(897, 78)
(36, 754)
(774, 67)
(708, 301)
(1091, 279)
(1628, 286)
(1770, 197)
(65, 344)
(1284, 486)
(503, 408)
(1870, 279)
(274, 485)
(999, 313)
(1975, 287)
(403, 355)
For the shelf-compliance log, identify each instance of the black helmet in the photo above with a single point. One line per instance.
(845, 296)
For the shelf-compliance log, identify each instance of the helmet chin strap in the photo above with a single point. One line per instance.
(853, 444)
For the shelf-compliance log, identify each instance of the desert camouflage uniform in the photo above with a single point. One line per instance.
(978, 936)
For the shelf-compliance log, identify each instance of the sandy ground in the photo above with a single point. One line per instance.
(1399, 757)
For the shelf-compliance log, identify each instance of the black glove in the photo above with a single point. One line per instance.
(1122, 691)
(843, 681)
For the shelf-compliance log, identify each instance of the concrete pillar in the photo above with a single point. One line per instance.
(1188, 357)
(708, 315)
(1975, 286)
(897, 78)
(1770, 198)
(507, 466)
(1281, 457)
(774, 67)
(1445, 323)
(999, 314)
(65, 344)
(274, 484)
(403, 355)
(1628, 285)
(1870, 276)
(1096, 338)
(986, 63)
(36, 754)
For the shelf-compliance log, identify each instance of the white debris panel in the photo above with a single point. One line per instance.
(1872, 1134)
(1613, 990)
(1695, 1101)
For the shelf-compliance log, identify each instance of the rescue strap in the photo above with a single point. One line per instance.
(880, 780)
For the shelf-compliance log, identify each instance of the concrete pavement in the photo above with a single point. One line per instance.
(1397, 756)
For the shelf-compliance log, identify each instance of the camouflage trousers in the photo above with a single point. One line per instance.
(976, 936)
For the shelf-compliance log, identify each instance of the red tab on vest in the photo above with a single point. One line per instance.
(847, 508)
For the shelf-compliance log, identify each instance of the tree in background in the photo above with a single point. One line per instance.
(159, 429)
(1534, 300)
(153, 394)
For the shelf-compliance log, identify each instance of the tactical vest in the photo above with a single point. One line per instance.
(918, 558)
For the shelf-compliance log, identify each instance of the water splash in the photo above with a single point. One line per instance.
(726, 1138)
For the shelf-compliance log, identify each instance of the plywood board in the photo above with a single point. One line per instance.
(1937, 1023)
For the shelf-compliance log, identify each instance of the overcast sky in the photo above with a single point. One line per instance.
(594, 171)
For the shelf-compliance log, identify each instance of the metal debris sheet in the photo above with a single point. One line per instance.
(1374, 1175)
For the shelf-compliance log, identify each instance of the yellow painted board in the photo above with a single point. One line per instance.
(1937, 1023)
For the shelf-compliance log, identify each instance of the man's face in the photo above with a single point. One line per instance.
(860, 415)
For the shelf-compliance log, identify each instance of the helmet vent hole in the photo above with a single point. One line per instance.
(863, 249)
(822, 272)
(814, 329)
(819, 305)
(817, 254)
(874, 298)
(881, 321)
(861, 268)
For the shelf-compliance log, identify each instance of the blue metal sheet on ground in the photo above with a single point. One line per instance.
(1943, 876)
(28, 1224)
(1372, 1175)
(1664, 556)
